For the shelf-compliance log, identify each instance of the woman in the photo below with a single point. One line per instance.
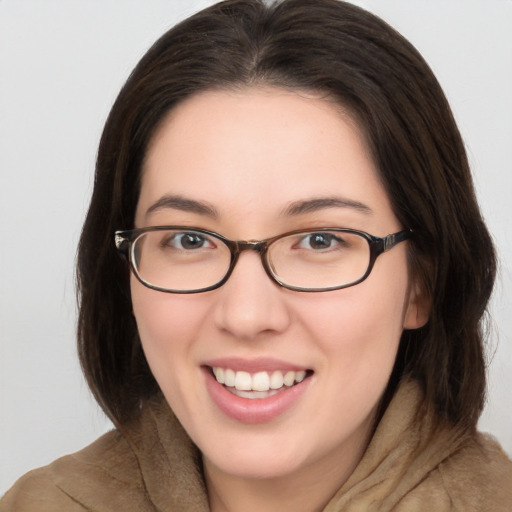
(297, 317)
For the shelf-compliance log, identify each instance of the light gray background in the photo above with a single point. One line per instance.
(61, 66)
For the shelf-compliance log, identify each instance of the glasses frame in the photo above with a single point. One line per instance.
(125, 239)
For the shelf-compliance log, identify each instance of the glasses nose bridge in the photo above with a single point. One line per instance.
(259, 246)
(251, 245)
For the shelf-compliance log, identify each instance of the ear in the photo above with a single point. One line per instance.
(417, 310)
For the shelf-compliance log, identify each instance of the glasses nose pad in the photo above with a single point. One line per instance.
(266, 261)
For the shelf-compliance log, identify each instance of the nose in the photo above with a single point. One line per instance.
(250, 304)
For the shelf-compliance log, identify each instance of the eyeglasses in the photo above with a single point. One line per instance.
(181, 259)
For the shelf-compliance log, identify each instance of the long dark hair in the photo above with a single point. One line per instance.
(360, 62)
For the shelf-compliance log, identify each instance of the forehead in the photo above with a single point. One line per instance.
(259, 150)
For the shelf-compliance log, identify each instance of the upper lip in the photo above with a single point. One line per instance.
(254, 365)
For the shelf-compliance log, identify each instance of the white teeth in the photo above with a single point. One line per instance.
(289, 378)
(219, 374)
(300, 376)
(229, 378)
(276, 380)
(253, 394)
(258, 382)
(243, 381)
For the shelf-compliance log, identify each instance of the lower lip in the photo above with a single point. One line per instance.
(256, 410)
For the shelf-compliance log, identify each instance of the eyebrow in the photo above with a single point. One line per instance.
(183, 204)
(322, 203)
(177, 202)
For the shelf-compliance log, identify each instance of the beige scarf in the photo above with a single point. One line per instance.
(155, 466)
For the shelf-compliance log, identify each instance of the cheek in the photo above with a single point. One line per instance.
(358, 331)
(361, 314)
(167, 325)
(162, 317)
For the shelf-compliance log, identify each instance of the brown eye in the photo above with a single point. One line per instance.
(319, 241)
(188, 241)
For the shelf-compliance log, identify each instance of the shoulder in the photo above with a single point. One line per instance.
(474, 478)
(152, 465)
(478, 476)
(104, 472)
(415, 464)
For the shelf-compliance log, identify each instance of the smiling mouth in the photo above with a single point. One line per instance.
(257, 385)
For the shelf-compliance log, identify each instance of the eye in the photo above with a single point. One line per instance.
(188, 241)
(319, 241)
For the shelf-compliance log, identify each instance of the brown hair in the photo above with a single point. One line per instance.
(359, 61)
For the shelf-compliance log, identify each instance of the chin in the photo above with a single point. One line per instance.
(256, 466)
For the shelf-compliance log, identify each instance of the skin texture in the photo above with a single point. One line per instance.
(247, 156)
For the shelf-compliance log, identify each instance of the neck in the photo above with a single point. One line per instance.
(308, 489)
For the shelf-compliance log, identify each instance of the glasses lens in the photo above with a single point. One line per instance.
(319, 259)
(178, 260)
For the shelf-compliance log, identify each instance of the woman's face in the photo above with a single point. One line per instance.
(252, 165)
